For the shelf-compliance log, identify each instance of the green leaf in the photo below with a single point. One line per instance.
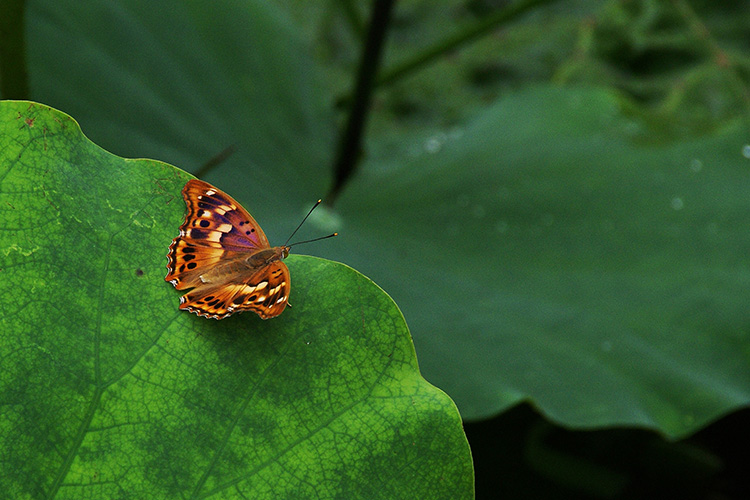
(109, 391)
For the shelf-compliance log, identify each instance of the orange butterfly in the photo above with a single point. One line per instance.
(224, 256)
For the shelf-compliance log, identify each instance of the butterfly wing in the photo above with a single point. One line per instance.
(266, 292)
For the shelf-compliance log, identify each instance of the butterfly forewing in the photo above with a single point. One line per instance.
(224, 256)
(210, 209)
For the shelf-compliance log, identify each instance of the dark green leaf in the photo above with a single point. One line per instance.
(540, 253)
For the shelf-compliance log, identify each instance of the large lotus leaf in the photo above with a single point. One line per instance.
(542, 253)
(107, 390)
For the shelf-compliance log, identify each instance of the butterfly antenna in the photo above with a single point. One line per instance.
(314, 239)
(300, 225)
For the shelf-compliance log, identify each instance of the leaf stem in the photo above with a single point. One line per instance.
(350, 141)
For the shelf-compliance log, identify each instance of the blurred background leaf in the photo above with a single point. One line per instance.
(567, 265)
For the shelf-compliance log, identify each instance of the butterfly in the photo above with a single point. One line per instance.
(223, 255)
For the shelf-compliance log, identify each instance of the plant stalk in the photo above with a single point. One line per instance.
(350, 140)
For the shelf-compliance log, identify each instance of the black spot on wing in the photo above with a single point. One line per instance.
(198, 234)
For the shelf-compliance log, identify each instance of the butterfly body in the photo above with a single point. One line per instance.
(223, 255)
(242, 265)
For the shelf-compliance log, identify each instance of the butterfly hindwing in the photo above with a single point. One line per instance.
(265, 293)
